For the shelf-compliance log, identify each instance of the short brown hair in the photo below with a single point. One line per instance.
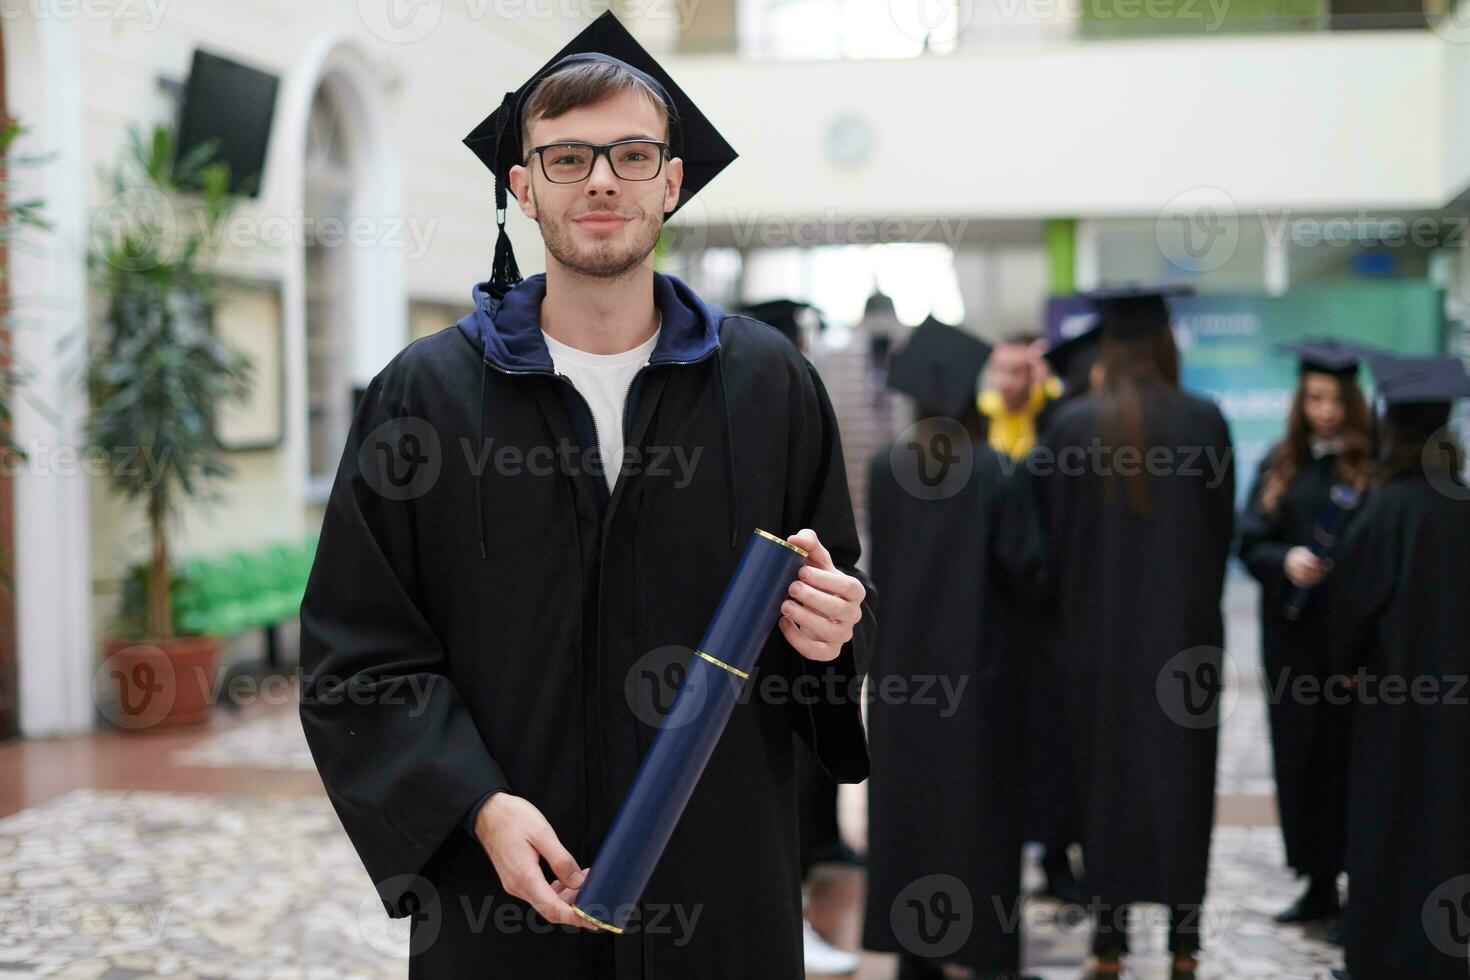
(587, 83)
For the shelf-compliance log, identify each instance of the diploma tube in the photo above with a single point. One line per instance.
(1340, 500)
(680, 750)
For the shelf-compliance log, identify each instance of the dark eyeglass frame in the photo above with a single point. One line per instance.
(600, 149)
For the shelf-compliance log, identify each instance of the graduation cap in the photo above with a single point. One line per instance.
(1072, 358)
(1130, 312)
(784, 314)
(1419, 390)
(497, 139)
(1328, 355)
(1421, 379)
(939, 366)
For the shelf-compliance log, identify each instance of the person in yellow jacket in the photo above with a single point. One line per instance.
(1019, 386)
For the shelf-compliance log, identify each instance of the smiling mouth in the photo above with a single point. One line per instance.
(601, 219)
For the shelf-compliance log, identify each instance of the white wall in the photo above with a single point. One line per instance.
(1098, 129)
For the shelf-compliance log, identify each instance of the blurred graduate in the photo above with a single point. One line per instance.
(1138, 509)
(1400, 622)
(1328, 444)
(948, 555)
(477, 627)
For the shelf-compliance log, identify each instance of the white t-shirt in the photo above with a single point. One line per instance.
(603, 380)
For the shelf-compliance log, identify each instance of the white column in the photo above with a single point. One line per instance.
(1277, 272)
(53, 592)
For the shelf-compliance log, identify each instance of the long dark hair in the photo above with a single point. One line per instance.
(1407, 430)
(1293, 453)
(1131, 367)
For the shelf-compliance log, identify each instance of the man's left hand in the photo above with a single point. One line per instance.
(823, 604)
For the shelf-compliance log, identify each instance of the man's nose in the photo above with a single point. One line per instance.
(602, 182)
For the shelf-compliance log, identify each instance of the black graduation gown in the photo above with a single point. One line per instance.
(1051, 809)
(1138, 614)
(1309, 738)
(1402, 610)
(945, 717)
(437, 667)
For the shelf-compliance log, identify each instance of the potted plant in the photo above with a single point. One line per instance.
(158, 376)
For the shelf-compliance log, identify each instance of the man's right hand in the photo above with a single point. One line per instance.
(516, 837)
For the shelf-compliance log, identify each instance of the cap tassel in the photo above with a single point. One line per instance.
(504, 273)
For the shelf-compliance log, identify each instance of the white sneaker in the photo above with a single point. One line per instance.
(822, 957)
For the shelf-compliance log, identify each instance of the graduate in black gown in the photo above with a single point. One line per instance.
(1138, 511)
(495, 609)
(1400, 620)
(945, 716)
(1052, 812)
(1328, 442)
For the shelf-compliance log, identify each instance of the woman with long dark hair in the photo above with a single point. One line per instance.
(1399, 622)
(1138, 510)
(1327, 443)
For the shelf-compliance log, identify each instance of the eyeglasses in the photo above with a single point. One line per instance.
(567, 163)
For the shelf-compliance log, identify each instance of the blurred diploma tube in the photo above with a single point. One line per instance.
(669, 771)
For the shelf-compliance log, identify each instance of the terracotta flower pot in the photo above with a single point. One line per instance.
(161, 683)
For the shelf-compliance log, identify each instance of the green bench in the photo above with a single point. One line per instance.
(244, 590)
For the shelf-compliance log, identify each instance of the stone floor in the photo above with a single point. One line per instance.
(214, 853)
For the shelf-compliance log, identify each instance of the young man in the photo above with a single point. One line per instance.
(1020, 388)
(489, 604)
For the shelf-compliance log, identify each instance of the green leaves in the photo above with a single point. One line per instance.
(158, 372)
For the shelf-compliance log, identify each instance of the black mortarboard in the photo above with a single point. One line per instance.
(939, 366)
(497, 139)
(1328, 355)
(1129, 312)
(1420, 379)
(1418, 390)
(1072, 358)
(783, 314)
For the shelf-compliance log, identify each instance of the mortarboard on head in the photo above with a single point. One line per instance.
(497, 139)
(1130, 312)
(939, 365)
(1328, 355)
(786, 315)
(1421, 379)
(1419, 390)
(1074, 356)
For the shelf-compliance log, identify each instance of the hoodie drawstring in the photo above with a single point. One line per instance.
(480, 471)
(730, 487)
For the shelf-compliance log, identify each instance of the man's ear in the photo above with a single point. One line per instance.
(520, 186)
(673, 181)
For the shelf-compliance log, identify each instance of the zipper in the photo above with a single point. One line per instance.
(606, 517)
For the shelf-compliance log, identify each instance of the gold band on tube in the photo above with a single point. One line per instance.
(781, 541)
(597, 922)
(720, 663)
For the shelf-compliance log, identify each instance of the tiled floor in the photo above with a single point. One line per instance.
(214, 853)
